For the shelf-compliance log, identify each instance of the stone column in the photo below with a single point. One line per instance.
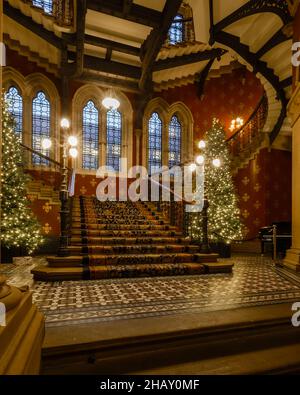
(292, 259)
(138, 134)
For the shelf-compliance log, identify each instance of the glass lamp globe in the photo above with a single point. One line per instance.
(65, 123)
(200, 159)
(111, 103)
(193, 167)
(73, 152)
(202, 144)
(73, 141)
(46, 143)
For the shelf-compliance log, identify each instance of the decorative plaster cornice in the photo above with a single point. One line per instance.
(293, 107)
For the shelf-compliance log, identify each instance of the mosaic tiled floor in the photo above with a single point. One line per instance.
(255, 281)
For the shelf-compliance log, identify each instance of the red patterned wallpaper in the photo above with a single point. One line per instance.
(226, 98)
(47, 215)
(264, 189)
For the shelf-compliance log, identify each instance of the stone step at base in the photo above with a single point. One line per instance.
(121, 259)
(47, 273)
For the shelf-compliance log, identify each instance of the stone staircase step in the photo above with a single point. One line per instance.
(123, 240)
(125, 233)
(133, 249)
(122, 259)
(49, 273)
(129, 240)
(79, 225)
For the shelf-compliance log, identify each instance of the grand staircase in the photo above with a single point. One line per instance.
(125, 239)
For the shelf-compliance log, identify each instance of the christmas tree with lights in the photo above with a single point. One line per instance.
(19, 227)
(224, 224)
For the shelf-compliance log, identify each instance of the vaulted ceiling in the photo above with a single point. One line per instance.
(121, 43)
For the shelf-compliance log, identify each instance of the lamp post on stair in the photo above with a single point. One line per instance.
(68, 149)
(200, 160)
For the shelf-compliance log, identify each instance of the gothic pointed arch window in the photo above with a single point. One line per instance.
(176, 31)
(113, 139)
(15, 107)
(154, 143)
(90, 136)
(46, 5)
(41, 113)
(175, 130)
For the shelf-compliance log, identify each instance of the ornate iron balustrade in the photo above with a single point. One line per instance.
(246, 139)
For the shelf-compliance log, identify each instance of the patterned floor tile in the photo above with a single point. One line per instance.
(255, 281)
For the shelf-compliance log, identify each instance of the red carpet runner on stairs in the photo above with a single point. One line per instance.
(123, 239)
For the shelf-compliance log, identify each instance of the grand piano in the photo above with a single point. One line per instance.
(283, 238)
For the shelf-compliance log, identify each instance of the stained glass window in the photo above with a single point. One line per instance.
(46, 5)
(90, 137)
(15, 107)
(114, 139)
(154, 143)
(176, 31)
(174, 142)
(40, 126)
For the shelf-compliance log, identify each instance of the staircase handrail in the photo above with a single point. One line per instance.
(261, 105)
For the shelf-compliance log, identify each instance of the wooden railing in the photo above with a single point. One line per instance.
(246, 139)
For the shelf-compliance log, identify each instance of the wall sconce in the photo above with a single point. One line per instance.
(236, 124)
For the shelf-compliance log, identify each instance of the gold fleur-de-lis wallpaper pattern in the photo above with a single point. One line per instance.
(265, 194)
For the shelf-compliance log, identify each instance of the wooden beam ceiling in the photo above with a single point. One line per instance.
(155, 40)
(114, 45)
(127, 10)
(188, 59)
(202, 78)
(88, 77)
(109, 66)
(127, 4)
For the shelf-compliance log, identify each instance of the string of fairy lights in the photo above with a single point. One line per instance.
(224, 222)
(19, 227)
